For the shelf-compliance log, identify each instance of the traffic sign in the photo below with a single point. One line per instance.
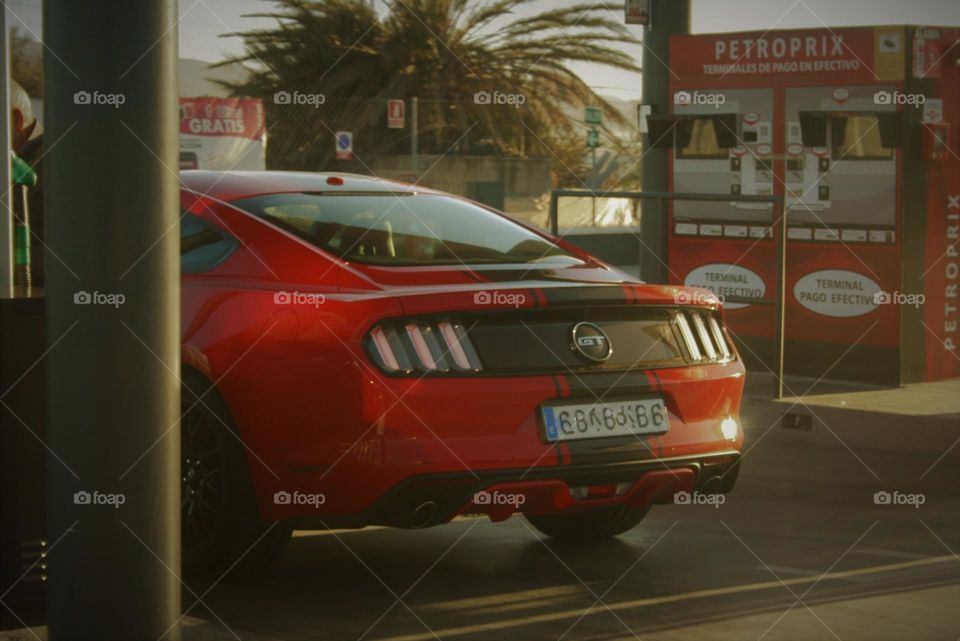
(933, 111)
(593, 139)
(637, 12)
(344, 145)
(396, 113)
(593, 116)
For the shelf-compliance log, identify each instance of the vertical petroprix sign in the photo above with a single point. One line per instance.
(942, 279)
(847, 55)
(222, 133)
(941, 264)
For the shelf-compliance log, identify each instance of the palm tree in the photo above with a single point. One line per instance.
(487, 80)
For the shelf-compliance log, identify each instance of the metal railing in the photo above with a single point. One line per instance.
(777, 223)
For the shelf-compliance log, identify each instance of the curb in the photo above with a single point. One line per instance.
(859, 428)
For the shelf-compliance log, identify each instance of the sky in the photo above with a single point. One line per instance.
(202, 22)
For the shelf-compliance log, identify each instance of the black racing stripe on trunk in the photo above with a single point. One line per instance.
(656, 375)
(537, 297)
(609, 294)
(557, 386)
(517, 275)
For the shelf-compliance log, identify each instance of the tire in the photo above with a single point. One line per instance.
(594, 525)
(221, 529)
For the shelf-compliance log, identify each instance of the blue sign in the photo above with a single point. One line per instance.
(344, 145)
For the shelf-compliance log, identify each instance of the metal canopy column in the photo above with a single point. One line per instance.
(112, 296)
(667, 18)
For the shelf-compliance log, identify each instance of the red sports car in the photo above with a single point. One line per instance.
(358, 351)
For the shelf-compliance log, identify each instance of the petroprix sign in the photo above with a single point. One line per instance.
(846, 54)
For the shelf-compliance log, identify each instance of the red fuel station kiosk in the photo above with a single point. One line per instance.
(858, 130)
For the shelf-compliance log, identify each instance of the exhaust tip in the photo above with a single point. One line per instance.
(424, 514)
(711, 486)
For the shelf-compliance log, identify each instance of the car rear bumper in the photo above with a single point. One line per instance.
(471, 434)
(432, 499)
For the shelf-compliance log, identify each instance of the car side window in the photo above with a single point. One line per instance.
(202, 246)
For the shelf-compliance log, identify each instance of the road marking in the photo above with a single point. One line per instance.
(507, 598)
(892, 553)
(670, 598)
(780, 570)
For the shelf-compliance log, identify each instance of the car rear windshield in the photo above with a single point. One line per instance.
(404, 229)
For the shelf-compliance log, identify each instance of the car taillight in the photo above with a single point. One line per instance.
(692, 347)
(719, 337)
(387, 345)
(705, 341)
(461, 349)
(703, 337)
(411, 347)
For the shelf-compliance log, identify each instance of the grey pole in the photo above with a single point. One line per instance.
(415, 137)
(668, 17)
(780, 224)
(112, 297)
(6, 200)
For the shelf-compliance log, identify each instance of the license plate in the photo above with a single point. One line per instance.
(604, 418)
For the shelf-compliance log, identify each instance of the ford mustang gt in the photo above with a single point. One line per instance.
(358, 352)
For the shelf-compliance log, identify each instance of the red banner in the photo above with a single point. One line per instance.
(239, 117)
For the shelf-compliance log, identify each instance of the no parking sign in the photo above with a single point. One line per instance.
(344, 145)
(396, 113)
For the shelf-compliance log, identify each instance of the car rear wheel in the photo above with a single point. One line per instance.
(221, 528)
(594, 525)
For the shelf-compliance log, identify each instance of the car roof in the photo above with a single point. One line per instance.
(232, 185)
